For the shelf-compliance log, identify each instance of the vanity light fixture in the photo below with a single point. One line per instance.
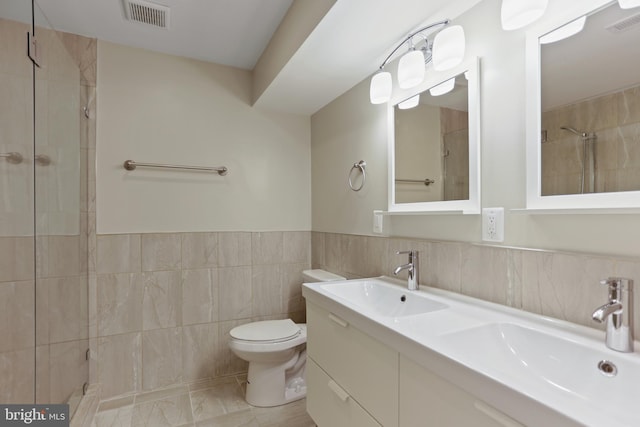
(444, 87)
(410, 103)
(516, 14)
(566, 31)
(446, 50)
(628, 4)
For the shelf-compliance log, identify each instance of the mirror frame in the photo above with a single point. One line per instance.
(471, 205)
(613, 202)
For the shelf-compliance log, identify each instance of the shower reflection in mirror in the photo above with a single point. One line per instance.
(590, 101)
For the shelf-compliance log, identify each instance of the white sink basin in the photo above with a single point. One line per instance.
(383, 299)
(539, 359)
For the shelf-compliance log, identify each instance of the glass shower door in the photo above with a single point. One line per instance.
(17, 251)
(43, 206)
(61, 326)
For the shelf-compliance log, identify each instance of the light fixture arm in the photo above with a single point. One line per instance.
(411, 36)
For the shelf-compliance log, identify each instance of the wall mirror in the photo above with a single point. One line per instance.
(434, 144)
(584, 143)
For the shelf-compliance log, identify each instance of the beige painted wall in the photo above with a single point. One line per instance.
(351, 128)
(165, 109)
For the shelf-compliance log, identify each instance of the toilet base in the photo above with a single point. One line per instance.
(269, 385)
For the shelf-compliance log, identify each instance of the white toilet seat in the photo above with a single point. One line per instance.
(266, 331)
(278, 344)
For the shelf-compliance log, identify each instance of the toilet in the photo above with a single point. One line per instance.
(276, 352)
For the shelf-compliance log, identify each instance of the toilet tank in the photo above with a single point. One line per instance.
(318, 275)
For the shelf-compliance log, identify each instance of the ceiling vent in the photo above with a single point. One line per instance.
(147, 13)
(624, 24)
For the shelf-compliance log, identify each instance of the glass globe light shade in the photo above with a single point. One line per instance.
(409, 103)
(448, 48)
(380, 88)
(411, 69)
(516, 14)
(443, 87)
(628, 4)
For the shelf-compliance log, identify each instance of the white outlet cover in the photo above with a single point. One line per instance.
(378, 222)
(493, 224)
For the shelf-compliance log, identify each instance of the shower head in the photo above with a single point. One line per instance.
(572, 130)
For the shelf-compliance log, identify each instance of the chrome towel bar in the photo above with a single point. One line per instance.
(131, 165)
(425, 181)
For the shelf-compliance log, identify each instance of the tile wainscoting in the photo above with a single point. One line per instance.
(555, 284)
(164, 303)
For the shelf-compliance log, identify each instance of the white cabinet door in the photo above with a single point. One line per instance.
(330, 405)
(361, 365)
(428, 400)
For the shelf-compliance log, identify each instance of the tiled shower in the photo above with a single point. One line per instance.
(47, 216)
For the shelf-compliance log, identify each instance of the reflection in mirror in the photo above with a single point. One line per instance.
(590, 102)
(432, 144)
(434, 147)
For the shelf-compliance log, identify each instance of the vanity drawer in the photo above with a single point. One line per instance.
(331, 406)
(429, 400)
(363, 366)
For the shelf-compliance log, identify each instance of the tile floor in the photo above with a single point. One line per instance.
(216, 403)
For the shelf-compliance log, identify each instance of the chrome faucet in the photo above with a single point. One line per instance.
(412, 267)
(618, 314)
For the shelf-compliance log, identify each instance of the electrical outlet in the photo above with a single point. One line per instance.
(493, 224)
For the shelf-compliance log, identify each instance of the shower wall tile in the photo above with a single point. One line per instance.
(161, 252)
(199, 250)
(161, 358)
(234, 249)
(162, 300)
(120, 367)
(16, 371)
(200, 302)
(119, 303)
(68, 369)
(119, 253)
(16, 258)
(68, 310)
(43, 374)
(12, 57)
(16, 315)
(629, 106)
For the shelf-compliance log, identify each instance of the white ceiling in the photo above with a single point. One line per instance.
(347, 45)
(593, 62)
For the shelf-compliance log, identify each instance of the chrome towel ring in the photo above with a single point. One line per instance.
(359, 165)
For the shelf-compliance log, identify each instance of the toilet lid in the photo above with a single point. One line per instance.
(266, 330)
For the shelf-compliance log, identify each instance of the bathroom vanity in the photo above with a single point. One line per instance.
(380, 355)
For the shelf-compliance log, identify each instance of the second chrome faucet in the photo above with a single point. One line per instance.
(413, 269)
(617, 314)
